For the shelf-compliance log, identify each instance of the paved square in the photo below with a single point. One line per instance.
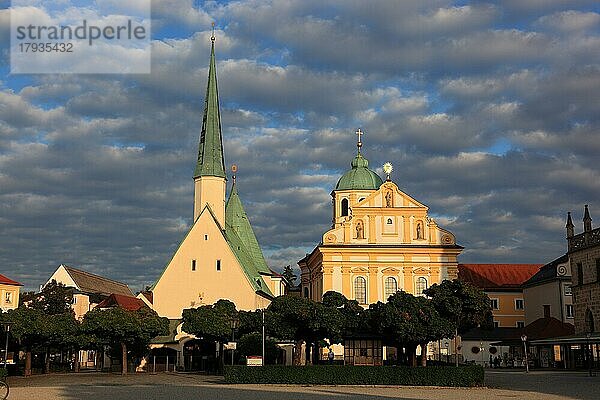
(501, 385)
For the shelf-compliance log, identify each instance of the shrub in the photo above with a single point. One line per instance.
(469, 375)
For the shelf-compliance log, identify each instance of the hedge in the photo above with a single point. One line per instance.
(468, 375)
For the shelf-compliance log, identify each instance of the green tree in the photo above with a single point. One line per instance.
(251, 345)
(131, 330)
(30, 329)
(292, 318)
(212, 322)
(407, 321)
(463, 305)
(54, 298)
(288, 274)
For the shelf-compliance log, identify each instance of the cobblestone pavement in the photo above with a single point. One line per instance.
(501, 385)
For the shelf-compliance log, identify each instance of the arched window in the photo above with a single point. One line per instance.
(389, 221)
(360, 290)
(344, 208)
(391, 286)
(420, 286)
(589, 321)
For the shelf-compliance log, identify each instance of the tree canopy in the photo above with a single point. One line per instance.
(462, 304)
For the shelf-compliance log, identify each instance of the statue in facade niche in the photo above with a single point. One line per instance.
(388, 199)
(359, 230)
(419, 233)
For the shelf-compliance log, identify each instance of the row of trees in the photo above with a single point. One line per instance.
(44, 323)
(404, 321)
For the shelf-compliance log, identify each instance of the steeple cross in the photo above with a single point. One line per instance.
(359, 133)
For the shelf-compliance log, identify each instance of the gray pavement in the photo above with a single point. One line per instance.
(500, 385)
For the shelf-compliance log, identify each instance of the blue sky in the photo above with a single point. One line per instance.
(489, 112)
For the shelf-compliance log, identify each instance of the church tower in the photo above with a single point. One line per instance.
(219, 256)
(209, 175)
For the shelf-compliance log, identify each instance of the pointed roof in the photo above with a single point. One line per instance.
(586, 214)
(129, 303)
(210, 151)
(569, 221)
(243, 242)
(92, 283)
(7, 281)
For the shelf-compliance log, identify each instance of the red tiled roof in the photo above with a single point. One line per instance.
(149, 296)
(544, 328)
(497, 276)
(7, 281)
(119, 300)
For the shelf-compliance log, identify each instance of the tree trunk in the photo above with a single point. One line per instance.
(316, 353)
(76, 365)
(297, 356)
(424, 354)
(47, 361)
(28, 363)
(124, 358)
(412, 355)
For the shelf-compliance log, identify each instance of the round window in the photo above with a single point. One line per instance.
(474, 349)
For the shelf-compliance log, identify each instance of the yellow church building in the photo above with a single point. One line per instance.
(219, 257)
(381, 241)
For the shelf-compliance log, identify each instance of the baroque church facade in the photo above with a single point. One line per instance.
(381, 241)
(219, 257)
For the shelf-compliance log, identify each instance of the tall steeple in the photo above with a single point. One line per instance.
(209, 175)
(210, 152)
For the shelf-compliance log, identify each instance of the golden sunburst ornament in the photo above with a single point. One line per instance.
(388, 168)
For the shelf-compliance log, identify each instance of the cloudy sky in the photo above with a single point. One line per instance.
(489, 111)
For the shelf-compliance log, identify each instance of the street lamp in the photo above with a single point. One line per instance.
(7, 330)
(524, 339)
(233, 323)
(590, 355)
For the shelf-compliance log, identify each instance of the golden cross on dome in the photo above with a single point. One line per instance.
(359, 133)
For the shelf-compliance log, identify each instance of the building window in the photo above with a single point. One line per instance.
(218, 265)
(74, 300)
(519, 304)
(306, 292)
(193, 265)
(389, 221)
(205, 237)
(568, 290)
(8, 297)
(360, 290)
(496, 324)
(344, 208)
(546, 310)
(520, 324)
(569, 310)
(579, 274)
(391, 286)
(597, 269)
(494, 304)
(421, 286)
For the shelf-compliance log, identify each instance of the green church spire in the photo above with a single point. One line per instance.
(210, 151)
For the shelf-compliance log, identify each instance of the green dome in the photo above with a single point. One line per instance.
(360, 177)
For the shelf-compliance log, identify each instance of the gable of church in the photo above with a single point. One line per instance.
(204, 269)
